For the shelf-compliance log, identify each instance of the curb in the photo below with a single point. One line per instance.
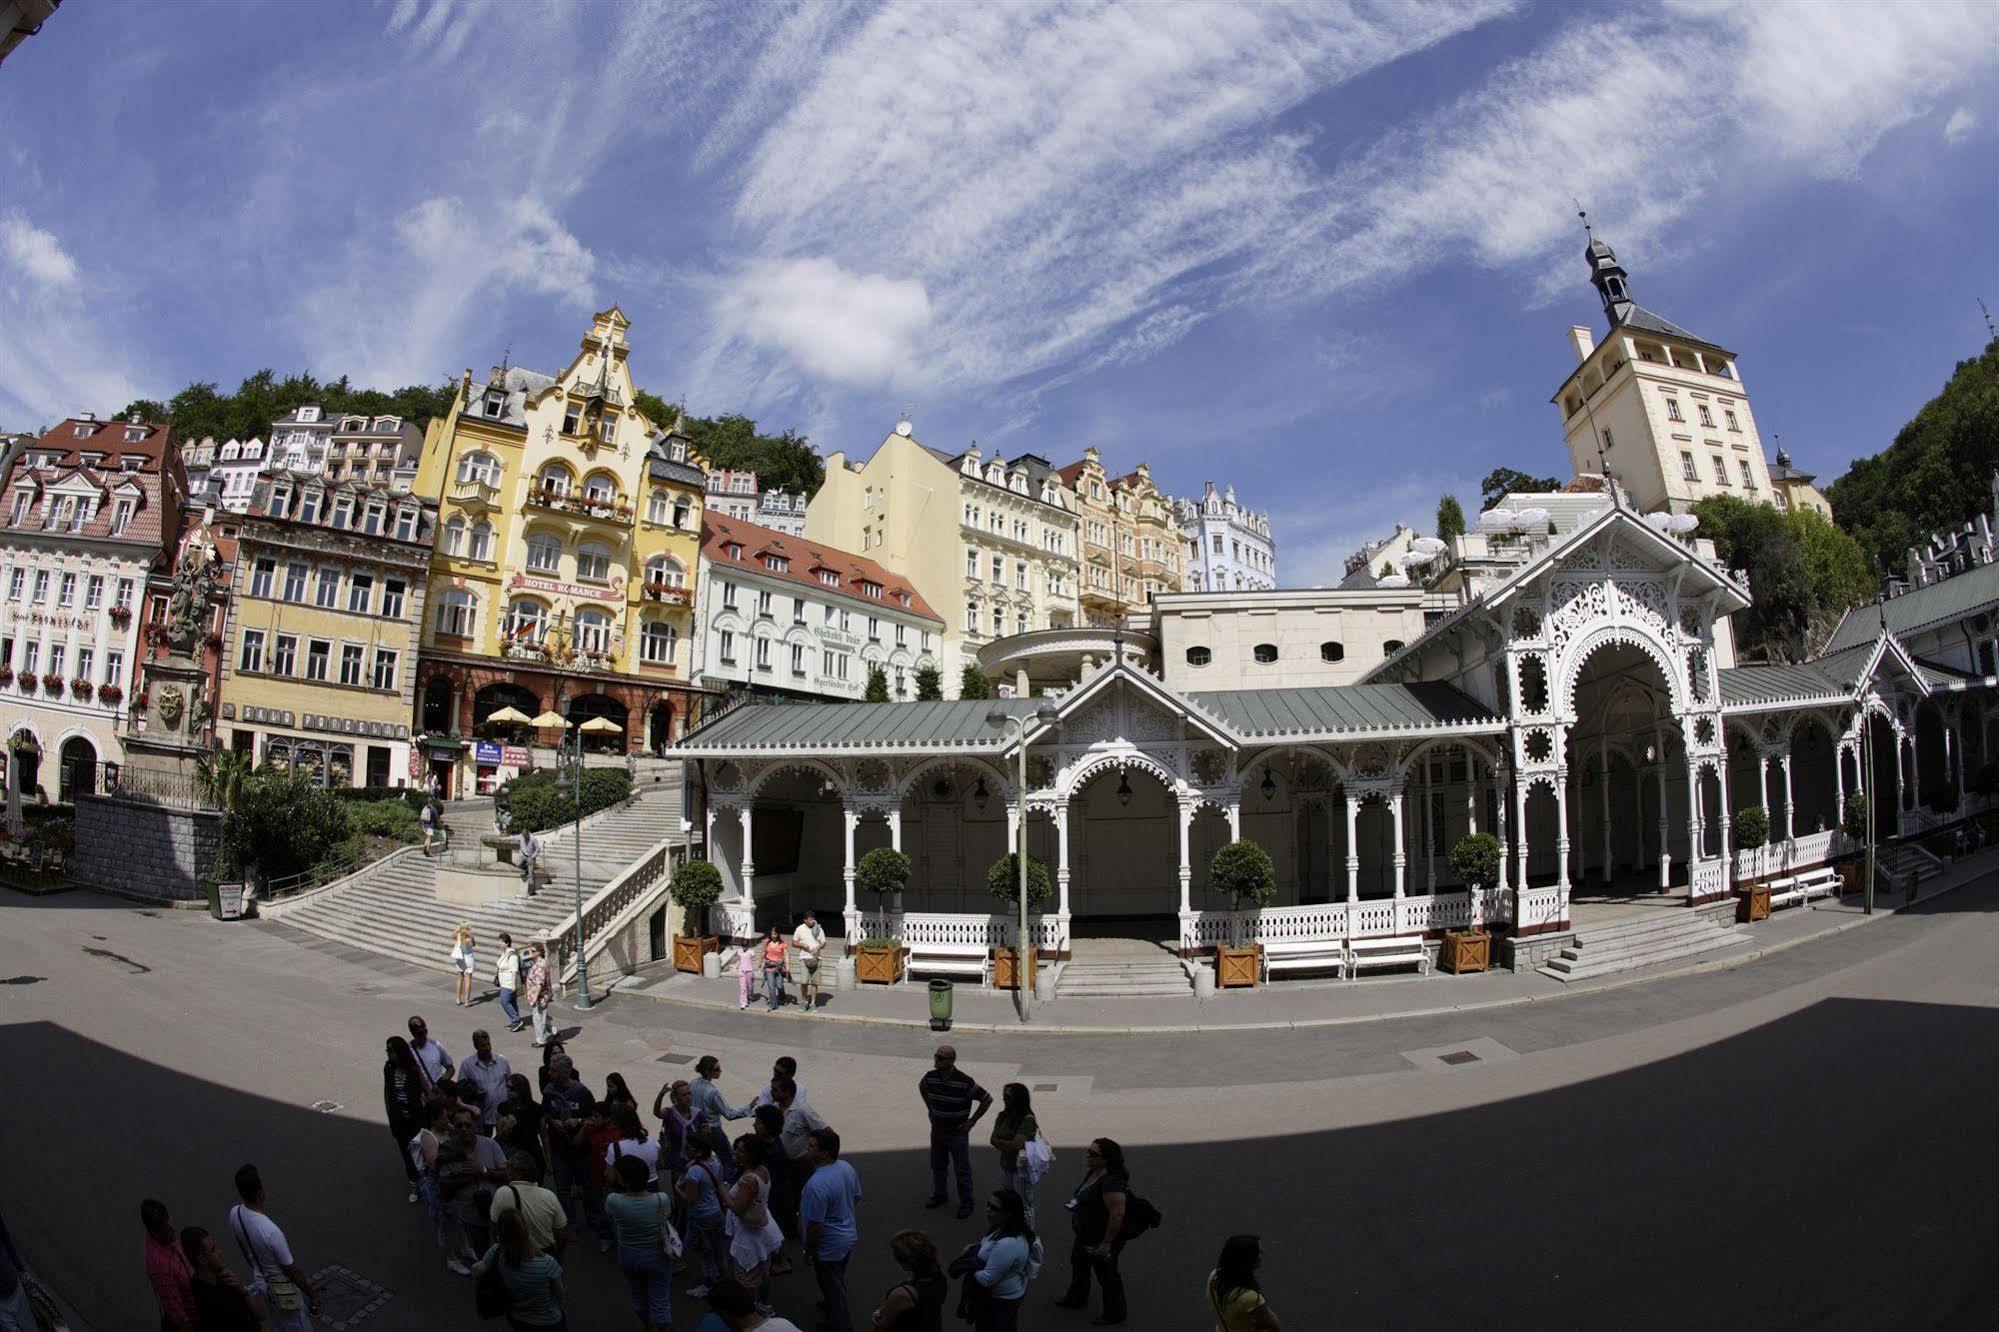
(1308, 1024)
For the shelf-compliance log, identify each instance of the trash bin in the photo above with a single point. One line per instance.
(941, 999)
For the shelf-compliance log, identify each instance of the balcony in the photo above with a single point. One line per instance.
(666, 595)
(615, 511)
(475, 496)
(1058, 657)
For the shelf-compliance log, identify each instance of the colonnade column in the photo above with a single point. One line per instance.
(1499, 831)
(1471, 794)
(1790, 805)
(1401, 854)
(1562, 834)
(1186, 862)
(1696, 819)
(895, 828)
(747, 897)
(1901, 782)
(1235, 820)
(1665, 829)
(850, 914)
(1520, 829)
(1062, 862)
(1839, 785)
(1603, 776)
(1353, 848)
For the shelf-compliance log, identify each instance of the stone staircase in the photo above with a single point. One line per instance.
(1121, 969)
(392, 908)
(1899, 860)
(1640, 940)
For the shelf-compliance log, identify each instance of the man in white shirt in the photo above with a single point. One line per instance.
(807, 941)
(547, 1223)
(507, 975)
(784, 1066)
(275, 1278)
(800, 1120)
(488, 1072)
(436, 1063)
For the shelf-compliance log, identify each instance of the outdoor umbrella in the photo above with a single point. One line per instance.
(601, 726)
(508, 715)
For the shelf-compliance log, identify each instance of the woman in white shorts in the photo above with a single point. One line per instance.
(463, 961)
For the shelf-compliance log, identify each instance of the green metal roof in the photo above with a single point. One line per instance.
(819, 727)
(1953, 598)
(1746, 686)
(1254, 714)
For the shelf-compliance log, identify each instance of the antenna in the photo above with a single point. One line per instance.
(1986, 310)
(1583, 213)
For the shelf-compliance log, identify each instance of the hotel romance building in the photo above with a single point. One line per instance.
(1566, 682)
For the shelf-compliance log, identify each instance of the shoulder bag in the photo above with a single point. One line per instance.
(490, 1296)
(281, 1288)
(669, 1238)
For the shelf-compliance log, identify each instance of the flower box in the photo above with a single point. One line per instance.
(1465, 950)
(111, 693)
(29, 679)
(6, 675)
(1005, 969)
(121, 615)
(879, 963)
(687, 953)
(1238, 966)
(52, 683)
(81, 687)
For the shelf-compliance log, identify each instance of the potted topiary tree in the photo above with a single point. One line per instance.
(882, 871)
(1241, 871)
(694, 888)
(1751, 829)
(1475, 860)
(1003, 882)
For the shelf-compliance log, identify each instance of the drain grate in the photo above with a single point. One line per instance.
(1044, 1086)
(327, 1107)
(675, 1057)
(1458, 1057)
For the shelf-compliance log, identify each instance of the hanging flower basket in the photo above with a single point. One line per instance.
(6, 675)
(121, 615)
(52, 683)
(139, 700)
(29, 679)
(111, 693)
(81, 687)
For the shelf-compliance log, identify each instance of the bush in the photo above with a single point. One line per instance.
(384, 818)
(534, 804)
(283, 825)
(882, 871)
(1475, 860)
(1854, 825)
(1752, 828)
(695, 887)
(1241, 871)
(414, 797)
(1003, 880)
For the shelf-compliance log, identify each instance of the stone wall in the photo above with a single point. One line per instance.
(143, 849)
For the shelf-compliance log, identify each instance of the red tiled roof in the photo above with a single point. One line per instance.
(1070, 473)
(156, 519)
(804, 557)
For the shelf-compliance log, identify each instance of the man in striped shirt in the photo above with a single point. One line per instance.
(949, 1095)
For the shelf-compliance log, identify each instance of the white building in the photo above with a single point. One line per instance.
(227, 472)
(374, 450)
(735, 494)
(781, 511)
(780, 615)
(1229, 546)
(299, 441)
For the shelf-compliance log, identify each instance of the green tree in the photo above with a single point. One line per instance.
(1003, 881)
(1751, 828)
(929, 683)
(655, 409)
(202, 409)
(222, 777)
(695, 886)
(1475, 860)
(1500, 480)
(972, 682)
(1937, 473)
(733, 441)
(1450, 518)
(881, 872)
(1854, 822)
(877, 685)
(1241, 871)
(1804, 573)
(146, 409)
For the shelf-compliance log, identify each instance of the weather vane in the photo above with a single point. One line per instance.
(1985, 310)
(1583, 213)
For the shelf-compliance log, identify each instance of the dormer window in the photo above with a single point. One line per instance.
(829, 578)
(372, 516)
(406, 523)
(343, 511)
(281, 500)
(496, 403)
(133, 434)
(308, 413)
(84, 430)
(734, 550)
(120, 517)
(309, 506)
(131, 463)
(776, 563)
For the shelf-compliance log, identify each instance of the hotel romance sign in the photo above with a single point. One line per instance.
(313, 721)
(549, 587)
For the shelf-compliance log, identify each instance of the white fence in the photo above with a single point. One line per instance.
(1379, 917)
(1710, 877)
(987, 931)
(1784, 857)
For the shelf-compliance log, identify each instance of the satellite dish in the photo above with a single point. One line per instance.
(904, 428)
(1428, 546)
(1393, 580)
(1496, 519)
(1683, 522)
(1531, 520)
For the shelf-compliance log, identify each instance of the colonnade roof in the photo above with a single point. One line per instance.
(1952, 599)
(1334, 710)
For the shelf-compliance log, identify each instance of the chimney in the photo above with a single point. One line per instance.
(1583, 340)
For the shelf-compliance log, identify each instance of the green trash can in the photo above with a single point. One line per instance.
(941, 999)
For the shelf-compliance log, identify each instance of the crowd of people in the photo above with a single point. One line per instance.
(518, 1174)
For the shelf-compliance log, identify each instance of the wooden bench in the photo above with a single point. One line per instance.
(1303, 955)
(1404, 951)
(1800, 889)
(958, 959)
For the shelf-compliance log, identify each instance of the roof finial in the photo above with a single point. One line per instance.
(1583, 213)
(507, 359)
(1986, 310)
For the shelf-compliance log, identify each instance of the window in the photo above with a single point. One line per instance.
(1748, 477)
(1391, 647)
(350, 663)
(1020, 574)
(763, 654)
(41, 587)
(483, 468)
(392, 598)
(665, 571)
(328, 595)
(763, 603)
(85, 661)
(318, 652)
(385, 669)
(776, 563)
(406, 525)
(125, 592)
(971, 564)
(902, 635)
(553, 480)
(728, 646)
(1687, 468)
(1020, 622)
(1707, 417)
(593, 631)
(93, 592)
(56, 651)
(831, 579)
(1673, 410)
(21, 502)
(656, 507)
(599, 490)
(360, 593)
(1266, 653)
(593, 564)
(999, 622)
(17, 583)
(798, 658)
(572, 419)
(121, 515)
(454, 613)
(114, 667)
(971, 616)
(343, 511)
(526, 621)
(481, 545)
(295, 582)
(798, 610)
(284, 656)
(1728, 414)
(66, 590)
(657, 643)
(682, 513)
(874, 629)
(1720, 470)
(544, 553)
(454, 536)
(1218, 543)
(29, 656)
(253, 651)
(999, 569)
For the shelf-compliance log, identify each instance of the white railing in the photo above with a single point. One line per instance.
(1330, 921)
(1916, 822)
(614, 906)
(1538, 906)
(1783, 857)
(916, 928)
(733, 920)
(1710, 877)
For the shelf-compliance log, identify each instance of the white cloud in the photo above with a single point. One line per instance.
(35, 253)
(853, 328)
(1958, 128)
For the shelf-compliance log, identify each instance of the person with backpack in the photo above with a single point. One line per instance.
(1234, 1296)
(1097, 1215)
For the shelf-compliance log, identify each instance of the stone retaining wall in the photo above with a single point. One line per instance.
(144, 850)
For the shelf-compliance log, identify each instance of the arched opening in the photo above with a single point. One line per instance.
(585, 707)
(1815, 799)
(1629, 844)
(1884, 792)
(437, 709)
(1125, 851)
(953, 828)
(78, 773)
(659, 726)
(1932, 772)
(1711, 797)
(498, 695)
(26, 756)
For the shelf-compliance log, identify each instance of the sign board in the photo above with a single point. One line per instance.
(229, 898)
(514, 756)
(486, 752)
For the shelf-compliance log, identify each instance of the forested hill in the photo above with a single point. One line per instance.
(1937, 473)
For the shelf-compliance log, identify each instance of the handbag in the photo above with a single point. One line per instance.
(669, 1238)
(1036, 1158)
(490, 1296)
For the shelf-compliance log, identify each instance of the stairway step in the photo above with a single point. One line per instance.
(1661, 922)
(1585, 968)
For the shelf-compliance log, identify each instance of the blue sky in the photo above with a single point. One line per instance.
(1325, 252)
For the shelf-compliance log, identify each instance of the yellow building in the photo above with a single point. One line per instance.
(569, 530)
(1132, 545)
(320, 645)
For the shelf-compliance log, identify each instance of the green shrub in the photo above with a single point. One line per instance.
(1003, 880)
(694, 888)
(1854, 825)
(1475, 860)
(283, 825)
(534, 804)
(1752, 828)
(1241, 871)
(414, 797)
(882, 871)
(384, 818)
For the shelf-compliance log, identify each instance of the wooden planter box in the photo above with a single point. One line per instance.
(878, 965)
(1465, 950)
(1852, 876)
(1754, 904)
(1006, 969)
(1238, 966)
(688, 952)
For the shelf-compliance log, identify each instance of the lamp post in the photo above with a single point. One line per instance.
(569, 772)
(1024, 953)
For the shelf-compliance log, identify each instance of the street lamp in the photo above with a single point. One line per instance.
(569, 777)
(1024, 954)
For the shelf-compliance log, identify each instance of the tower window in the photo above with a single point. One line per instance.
(1720, 470)
(1332, 651)
(1391, 647)
(1673, 410)
(1748, 477)
(1707, 417)
(1266, 653)
(1199, 656)
(1729, 415)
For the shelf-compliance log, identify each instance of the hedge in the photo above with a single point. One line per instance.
(533, 803)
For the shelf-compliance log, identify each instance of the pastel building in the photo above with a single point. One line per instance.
(1229, 545)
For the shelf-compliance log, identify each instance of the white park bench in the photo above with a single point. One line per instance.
(957, 959)
(1800, 889)
(1303, 955)
(1388, 952)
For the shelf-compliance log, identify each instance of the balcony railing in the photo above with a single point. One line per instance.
(617, 511)
(669, 595)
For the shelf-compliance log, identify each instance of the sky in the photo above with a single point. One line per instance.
(1326, 253)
